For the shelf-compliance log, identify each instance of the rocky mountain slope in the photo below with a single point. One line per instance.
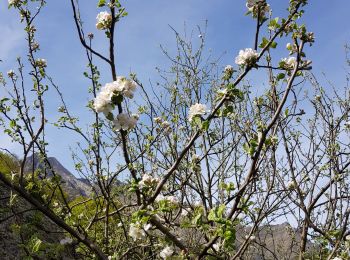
(71, 184)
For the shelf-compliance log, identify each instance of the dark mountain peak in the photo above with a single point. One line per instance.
(72, 185)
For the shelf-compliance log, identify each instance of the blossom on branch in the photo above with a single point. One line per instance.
(41, 63)
(171, 199)
(104, 20)
(13, 2)
(125, 122)
(255, 6)
(166, 252)
(136, 232)
(66, 241)
(196, 110)
(121, 87)
(102, 102)
(247, 57)
(148, 181)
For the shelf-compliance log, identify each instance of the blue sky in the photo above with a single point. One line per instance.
(140, 34)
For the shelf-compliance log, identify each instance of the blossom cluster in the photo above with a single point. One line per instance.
(125, 122)
(290, 63)
(167, 252)
(122, 86)
(110, 95)
(148, 181)
(41, 63)
(104, 20)
(196, 110)
(228, 69)
(13, 2)
(164, 125)
(137, 232)
(169, 198)
(11, 73)
(66, 241)
(247, 57)
(256, 6)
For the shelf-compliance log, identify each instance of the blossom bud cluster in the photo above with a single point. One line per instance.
(104, 20)
(148, 181)
(165, 125)
(256, 6)
(11, 74)
(167, 252)
(41, 63)
(125, 122)
(35, 46)
(137, 232)
(293, 48)
(290, 62)
(66, 241)
(247, 57)
(228, 69)
(13, 2)
(196, 110)
(171, 199)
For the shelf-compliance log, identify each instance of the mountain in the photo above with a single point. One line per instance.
(72, 185)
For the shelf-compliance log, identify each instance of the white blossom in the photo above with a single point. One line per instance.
(66, 241)
(228, 69)
(255, 5)
(148, 181)
(166, 252)
(184, 212)
(292, 47)
(13, 2)
(11, 73)
(291, 185)
(289, 63)
(158, 120)
(104, 20)
(41, 63)
(337, 258)
(216, 246)
(135, 232)
(127, 87)
(195, 110)
(147, 227)
(125, 122)
(121, 86)
(170, 199)
(102, 102)
(165, 124)
(247, 56)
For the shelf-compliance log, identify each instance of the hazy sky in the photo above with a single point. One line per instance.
(140, 34)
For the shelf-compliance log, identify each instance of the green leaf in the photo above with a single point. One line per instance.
(36, 245)
(286, 112)
(273, 45)
(281, 76)
(101, 3)
(205, 125)
(110, 116)
(273, 25)
(263, 43)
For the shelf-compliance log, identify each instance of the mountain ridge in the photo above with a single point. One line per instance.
(72, 185)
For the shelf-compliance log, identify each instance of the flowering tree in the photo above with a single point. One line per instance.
(202, 168)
